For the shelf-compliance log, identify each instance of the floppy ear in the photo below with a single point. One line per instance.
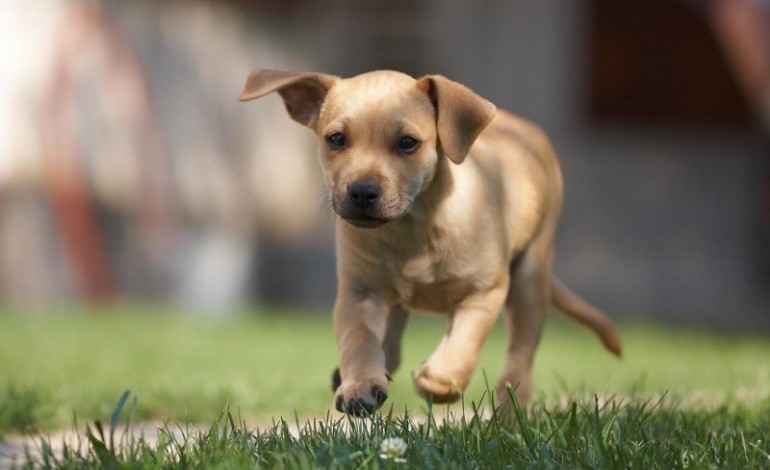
(461, 114)
(303, 93)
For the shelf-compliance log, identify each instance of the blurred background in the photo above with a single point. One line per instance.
(129, 171)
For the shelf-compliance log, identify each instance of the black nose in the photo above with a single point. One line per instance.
(364, 194)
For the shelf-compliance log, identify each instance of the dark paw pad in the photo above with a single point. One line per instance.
(379, 395)
(336, 379)
(354, 406)
(339, 404)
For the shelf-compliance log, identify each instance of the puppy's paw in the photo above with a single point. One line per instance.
(361, 398)
(436, 385)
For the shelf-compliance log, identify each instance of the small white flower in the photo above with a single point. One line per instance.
(393, 448)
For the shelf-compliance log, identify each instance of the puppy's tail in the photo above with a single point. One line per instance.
(576, 309)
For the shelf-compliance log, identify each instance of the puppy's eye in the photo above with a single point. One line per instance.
(408, 144)
(336, 140)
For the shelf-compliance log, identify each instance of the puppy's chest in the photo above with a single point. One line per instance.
(430, 281)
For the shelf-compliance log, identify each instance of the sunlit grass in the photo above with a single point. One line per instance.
(633, 434)
(265, 365)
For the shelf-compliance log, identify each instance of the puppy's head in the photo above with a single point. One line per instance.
(381, 134)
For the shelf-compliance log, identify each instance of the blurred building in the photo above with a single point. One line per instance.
(655, 107)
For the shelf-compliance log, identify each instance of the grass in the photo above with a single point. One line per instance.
(643, 435)
(272, 367)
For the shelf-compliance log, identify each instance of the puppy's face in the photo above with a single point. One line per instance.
(381, 133)
(377, 139)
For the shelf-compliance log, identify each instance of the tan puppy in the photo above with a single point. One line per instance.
(444, 206)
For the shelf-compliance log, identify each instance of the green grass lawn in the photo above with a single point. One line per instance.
(263, 366)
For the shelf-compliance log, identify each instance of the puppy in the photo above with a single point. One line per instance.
(444, 205)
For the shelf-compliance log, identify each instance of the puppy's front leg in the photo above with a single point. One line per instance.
(449, 369)
(359, 324)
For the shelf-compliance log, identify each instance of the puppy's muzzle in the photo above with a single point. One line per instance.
(364, 195)
(361, 204)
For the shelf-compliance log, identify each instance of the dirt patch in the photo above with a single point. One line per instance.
(16, 450)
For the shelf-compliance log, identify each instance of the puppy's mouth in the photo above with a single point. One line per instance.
(365, 221)
(368, 217)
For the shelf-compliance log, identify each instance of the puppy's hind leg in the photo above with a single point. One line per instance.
(525, 311)
(391, 343)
